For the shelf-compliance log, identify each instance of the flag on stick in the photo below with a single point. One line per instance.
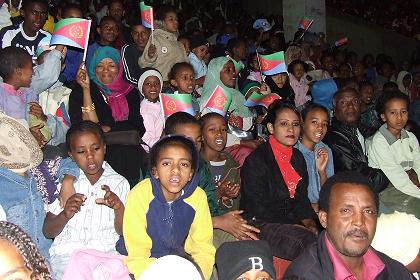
(305, 23)
(176, 102)
(219, 101)
(261, 99)
(146, 15)
(72, 32)
(272, 64)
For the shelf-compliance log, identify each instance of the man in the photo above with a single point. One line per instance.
(348, 212)
(116, 10)
(28, 34)
(131, 53)
(346, 139)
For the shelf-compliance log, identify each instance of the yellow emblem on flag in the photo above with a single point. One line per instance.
(170, 105)
(219, 101)
(76, 31)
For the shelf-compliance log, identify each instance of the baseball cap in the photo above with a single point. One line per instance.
(262, 23)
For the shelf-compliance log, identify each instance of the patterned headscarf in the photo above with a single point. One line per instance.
(19, 150)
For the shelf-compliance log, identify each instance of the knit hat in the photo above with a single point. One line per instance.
(237, 257)
(171, 267)
(198, 40)
(147, 72)
(19, 150)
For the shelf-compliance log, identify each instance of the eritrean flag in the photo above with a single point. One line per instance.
(261, 99)
(305, 23)
(62, 113)
(219, 101)
(146, 15)
(272, 64)
(341, 42)
(176, 102)
(71, 32)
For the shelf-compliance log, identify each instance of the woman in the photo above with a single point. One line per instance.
(279, 83)
(274, 194)
(221, 72)
(115, 104)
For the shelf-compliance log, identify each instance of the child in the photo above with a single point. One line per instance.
(228, 226)
(108, 32)
(92, 218)
(223, 167)
(279, 84)
(318, 156)
(251, 260)
(297, 69)
(186, 42)
(164, 50)
(369, 116)
(168, 214)
(182, 79)
(199, 50)
(28, 34)
(150, 85)
(396, 152)
(19, 255)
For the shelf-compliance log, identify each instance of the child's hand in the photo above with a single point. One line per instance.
(73, 205)
(67, 189)
(37, 134)
(265, 89)
(82, 77)
(36, 110)
(321, 159)
(233, 223)
(227, 189)
(151, 51)
(110, 199)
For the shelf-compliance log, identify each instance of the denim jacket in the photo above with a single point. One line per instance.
(24, 206)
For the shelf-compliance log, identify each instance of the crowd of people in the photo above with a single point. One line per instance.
(400, 16)
(98, 182)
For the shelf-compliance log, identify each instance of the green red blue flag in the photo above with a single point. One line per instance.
(72, 32)
(341, 42)
(146, 15)
(62, 113)
(272, 64)
(305, 23)
(219, 101)
(176, 102)
(261, 99)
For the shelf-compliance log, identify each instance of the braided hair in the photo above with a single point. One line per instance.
(33, 259)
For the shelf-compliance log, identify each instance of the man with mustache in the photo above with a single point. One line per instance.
(348, 212)
(346, 138)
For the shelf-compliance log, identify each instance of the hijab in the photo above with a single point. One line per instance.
(117, 90)
(286, 92)
(400, 82)
(145, 73)
(213, 80)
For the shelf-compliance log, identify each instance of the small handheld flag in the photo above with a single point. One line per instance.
(72, 32)
(272, 64)
(146, 15)
(62, 113)
(176, 102)
(261, 99)
(341, 42)
(305, 23)
(219, 101)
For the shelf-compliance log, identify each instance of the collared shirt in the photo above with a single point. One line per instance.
(372, 264)
(199, 66)
(361, 140)
(314, 183)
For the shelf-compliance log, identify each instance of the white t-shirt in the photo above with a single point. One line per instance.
(93, 226)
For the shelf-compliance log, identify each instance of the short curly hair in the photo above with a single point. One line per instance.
(33, 259)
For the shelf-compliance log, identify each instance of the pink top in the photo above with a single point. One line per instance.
(372, 264)
(300, 88)
(153, 122)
